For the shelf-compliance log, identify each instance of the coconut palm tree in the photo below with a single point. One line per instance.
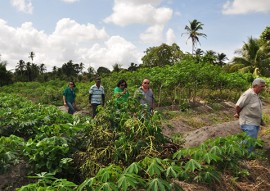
(31, 56)
(20, 68)
(210, 56)
(42, 68)
(251, 56)
(193, 32)
(221, 58)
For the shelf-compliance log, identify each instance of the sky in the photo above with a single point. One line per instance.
(105, 32)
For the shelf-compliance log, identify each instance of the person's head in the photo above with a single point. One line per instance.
(122, 84)
(98, 81)
(258, 85)
(72, 84)
(145, 83)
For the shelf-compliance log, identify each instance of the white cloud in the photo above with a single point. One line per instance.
(142, 12)
(69, 28)
(115, 50)
(246, 6)
(153, 35)
(170, 37)
(23, 5)
(69, 41)
(70, 1)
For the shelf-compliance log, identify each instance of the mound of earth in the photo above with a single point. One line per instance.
(195, 133)
(258, 178)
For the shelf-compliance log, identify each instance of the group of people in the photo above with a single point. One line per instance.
(97, 95)
(248, 107)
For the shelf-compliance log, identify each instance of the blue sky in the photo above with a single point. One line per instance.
(105, 32)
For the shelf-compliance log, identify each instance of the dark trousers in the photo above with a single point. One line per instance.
(94, 109)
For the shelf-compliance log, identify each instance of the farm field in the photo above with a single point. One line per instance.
(48, 140)
(189, 141)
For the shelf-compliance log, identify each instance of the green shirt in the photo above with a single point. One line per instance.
(118, 91)
(69, 94)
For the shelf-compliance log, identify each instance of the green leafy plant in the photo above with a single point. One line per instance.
(10, 152)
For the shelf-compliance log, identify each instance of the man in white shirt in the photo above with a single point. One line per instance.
(96, 96)
(249, 109)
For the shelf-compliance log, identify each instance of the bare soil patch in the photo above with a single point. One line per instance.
(193, 134)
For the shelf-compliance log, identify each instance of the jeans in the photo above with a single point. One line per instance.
(252, 131)
(71, 109)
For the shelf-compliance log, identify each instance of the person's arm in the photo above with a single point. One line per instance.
(64, 100)
(153, 103)
(125, 91)
(103, 99)
(90, 97)
(237, 111)
(117, 92)
(64, 97)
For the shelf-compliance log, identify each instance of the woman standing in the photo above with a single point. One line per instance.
(69, 97)
(121, 92)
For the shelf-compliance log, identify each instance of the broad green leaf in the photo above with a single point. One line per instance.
(129, 180)
(158, 184)
(133, 168)
(87, 184)
(107, 186)
(192, 165)
(208, 157)
(173, 171)
(155, 168)
(215, 150)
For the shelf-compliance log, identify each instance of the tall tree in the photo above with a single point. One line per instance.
(210, 56)
(31, 56)
(81, 67)
(29, 72)
(20, 68)
(103, 71)
(5, 76)
(91, 73)
(42, 68)
(117, 67)
(193, 32)
(133, 67)
(264, 39)
(162, 55)
(70, 70)
(221, 58)
(249, 55)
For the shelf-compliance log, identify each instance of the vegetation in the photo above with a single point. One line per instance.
(110, 152)
(123, 147)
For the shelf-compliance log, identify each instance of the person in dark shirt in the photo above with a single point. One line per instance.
(69, 97)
